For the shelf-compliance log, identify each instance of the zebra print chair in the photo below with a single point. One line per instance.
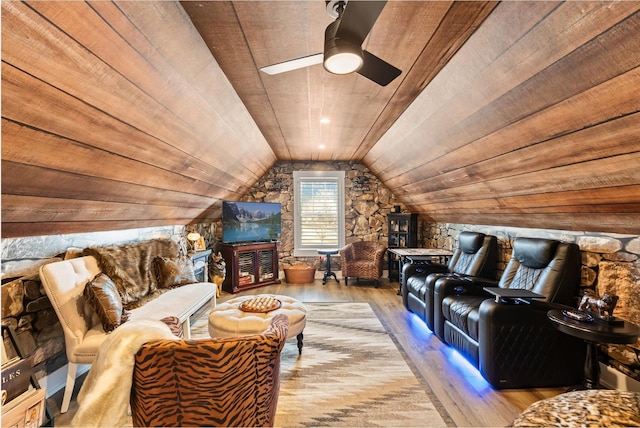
(209, 382)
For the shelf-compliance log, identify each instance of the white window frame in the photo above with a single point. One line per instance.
(299, 177)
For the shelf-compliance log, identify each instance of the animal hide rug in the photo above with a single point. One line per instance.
(103, 399)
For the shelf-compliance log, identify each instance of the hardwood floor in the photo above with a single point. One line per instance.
(468, 399)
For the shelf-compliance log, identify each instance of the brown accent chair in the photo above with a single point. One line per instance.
(362, 259)
(231, 381)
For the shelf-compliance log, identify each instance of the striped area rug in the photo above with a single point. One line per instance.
(350, 374)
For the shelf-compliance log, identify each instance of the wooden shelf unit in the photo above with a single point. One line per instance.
(403, 233)
(250, 265)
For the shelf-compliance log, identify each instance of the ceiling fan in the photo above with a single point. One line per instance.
(343, 38)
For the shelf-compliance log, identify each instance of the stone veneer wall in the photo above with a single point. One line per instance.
(610, 264)
(367, 203)
(27, 309)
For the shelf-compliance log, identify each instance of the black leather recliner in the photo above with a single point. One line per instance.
(512, 342)
(476, 255)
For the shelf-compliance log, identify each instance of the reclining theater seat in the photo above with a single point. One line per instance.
(476, 254)
(512, 342)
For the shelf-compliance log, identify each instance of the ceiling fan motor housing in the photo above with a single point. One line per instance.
(342, 55)
(335, 7)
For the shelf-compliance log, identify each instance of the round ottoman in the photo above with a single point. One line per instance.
(227, 319)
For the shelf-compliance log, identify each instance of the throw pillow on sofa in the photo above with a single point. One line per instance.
(173, 272)
(102, 294)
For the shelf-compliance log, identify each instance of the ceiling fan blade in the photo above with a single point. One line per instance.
(378, 70)
(358, 19)
(293, 64)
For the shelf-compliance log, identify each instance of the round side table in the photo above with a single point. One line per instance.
(328, 274)
(594, 332)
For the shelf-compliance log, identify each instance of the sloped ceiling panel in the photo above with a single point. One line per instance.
(534, 123)
(115, 115)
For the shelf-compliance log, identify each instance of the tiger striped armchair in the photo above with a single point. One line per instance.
(231, 381)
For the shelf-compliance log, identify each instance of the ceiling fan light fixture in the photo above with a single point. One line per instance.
(343, 39)
(343, 59)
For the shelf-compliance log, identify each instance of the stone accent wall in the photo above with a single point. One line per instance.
(27, 309)
(610, 264)
(367, 203)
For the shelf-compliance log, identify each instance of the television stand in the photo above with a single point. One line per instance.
(250, 265)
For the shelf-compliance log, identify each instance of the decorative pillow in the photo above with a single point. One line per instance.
(173, 323)
(102, 294)
(175, 272)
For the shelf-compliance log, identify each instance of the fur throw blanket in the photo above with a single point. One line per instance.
(103, 399)
(132, 267)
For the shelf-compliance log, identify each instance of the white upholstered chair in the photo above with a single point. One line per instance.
(83, 334)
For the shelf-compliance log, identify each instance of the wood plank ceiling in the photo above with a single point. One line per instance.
(134, 114)
(116, 116)
(244, 36)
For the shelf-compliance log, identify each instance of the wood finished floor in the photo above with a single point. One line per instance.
(468, 399)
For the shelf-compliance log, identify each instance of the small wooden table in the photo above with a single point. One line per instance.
(419, 255)
(594, 332)
(329, 273)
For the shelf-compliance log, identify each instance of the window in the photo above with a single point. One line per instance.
(318, 211)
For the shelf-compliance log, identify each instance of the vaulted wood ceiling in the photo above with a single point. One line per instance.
(418, 37)
(134, 114)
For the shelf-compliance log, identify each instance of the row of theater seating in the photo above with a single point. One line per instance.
(511, 341)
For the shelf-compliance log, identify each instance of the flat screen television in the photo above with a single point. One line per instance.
(250, 222)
